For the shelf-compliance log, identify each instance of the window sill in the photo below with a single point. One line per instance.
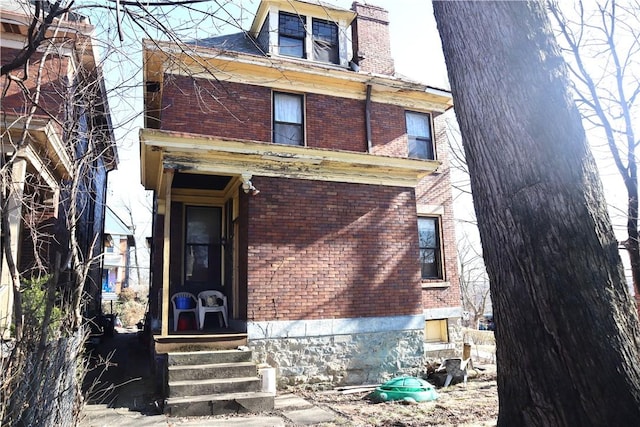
(433, 346)
(299, 60)
(432, 285)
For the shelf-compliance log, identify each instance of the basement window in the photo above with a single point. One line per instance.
(436, 331)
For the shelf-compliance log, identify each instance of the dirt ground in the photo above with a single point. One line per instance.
(128, 383)
(457, 405)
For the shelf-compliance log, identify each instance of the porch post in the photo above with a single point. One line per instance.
(166, 251)
(14, 210)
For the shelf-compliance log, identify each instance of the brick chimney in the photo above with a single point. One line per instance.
(371, 43)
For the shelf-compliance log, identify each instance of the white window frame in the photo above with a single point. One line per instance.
(427, 140)
(439, 249)
(275, 136)
(345, 49)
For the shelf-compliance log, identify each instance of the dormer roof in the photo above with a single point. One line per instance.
(236, 42)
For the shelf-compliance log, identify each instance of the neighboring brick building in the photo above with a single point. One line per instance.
(118, 243)
(44, 152)
(305, 180)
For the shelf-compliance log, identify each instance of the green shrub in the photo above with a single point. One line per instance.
(34, 301)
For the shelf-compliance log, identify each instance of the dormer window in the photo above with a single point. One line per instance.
(291, 35)
(325, 41)
(304, 30)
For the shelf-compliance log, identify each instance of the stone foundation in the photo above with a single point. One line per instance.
(340, 351)
(365, 358)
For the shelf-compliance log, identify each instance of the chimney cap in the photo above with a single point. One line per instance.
(370, 11)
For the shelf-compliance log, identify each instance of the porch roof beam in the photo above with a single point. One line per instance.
(200, 154)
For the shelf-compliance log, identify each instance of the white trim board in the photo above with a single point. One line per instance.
(329, 327)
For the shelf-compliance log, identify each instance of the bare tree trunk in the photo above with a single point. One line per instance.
(135, 248)
(567, 348)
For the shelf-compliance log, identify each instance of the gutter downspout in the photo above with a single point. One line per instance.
(367, 118)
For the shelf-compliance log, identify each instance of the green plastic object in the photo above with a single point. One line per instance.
(408, 389)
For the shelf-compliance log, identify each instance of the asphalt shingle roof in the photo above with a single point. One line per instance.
(237, 42)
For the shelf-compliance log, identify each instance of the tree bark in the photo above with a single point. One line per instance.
(567, 346)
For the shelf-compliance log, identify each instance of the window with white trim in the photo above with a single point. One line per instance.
(291, 35)
(325, 41)
(420, 141)
(288, 118)
(293, 30)
(430, 248)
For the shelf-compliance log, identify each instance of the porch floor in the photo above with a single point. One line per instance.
(193, 340)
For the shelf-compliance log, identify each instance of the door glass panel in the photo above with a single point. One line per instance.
(202, 251)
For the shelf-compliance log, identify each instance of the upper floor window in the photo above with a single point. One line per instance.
(325, 41)
(430, 248)
(291, 35)
(288, 123)
(419, 135)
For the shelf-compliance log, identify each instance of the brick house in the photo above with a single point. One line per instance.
(294, 171)
(71, 122)
(118, 243)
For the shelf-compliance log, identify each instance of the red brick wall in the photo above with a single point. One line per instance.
(332, 123)
(435, 190)
(388, 130)
(53, 83)
(371, 40)
(336, 123)
(244, 112)
(230, 110)
(322, 250)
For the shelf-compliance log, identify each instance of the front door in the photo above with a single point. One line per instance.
(203, 247)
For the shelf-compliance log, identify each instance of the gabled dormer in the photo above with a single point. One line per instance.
(308, 31)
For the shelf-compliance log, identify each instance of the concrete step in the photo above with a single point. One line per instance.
(218, 404)
(212, 386)
(214, 370)
(208, 357)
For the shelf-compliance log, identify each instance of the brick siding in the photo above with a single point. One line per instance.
(388, 130)
(435, 190)
(53, 85)
(371, 42)
(229, 110)
(323, 259)
(322, 250)
(244, 112)
(336, 123)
